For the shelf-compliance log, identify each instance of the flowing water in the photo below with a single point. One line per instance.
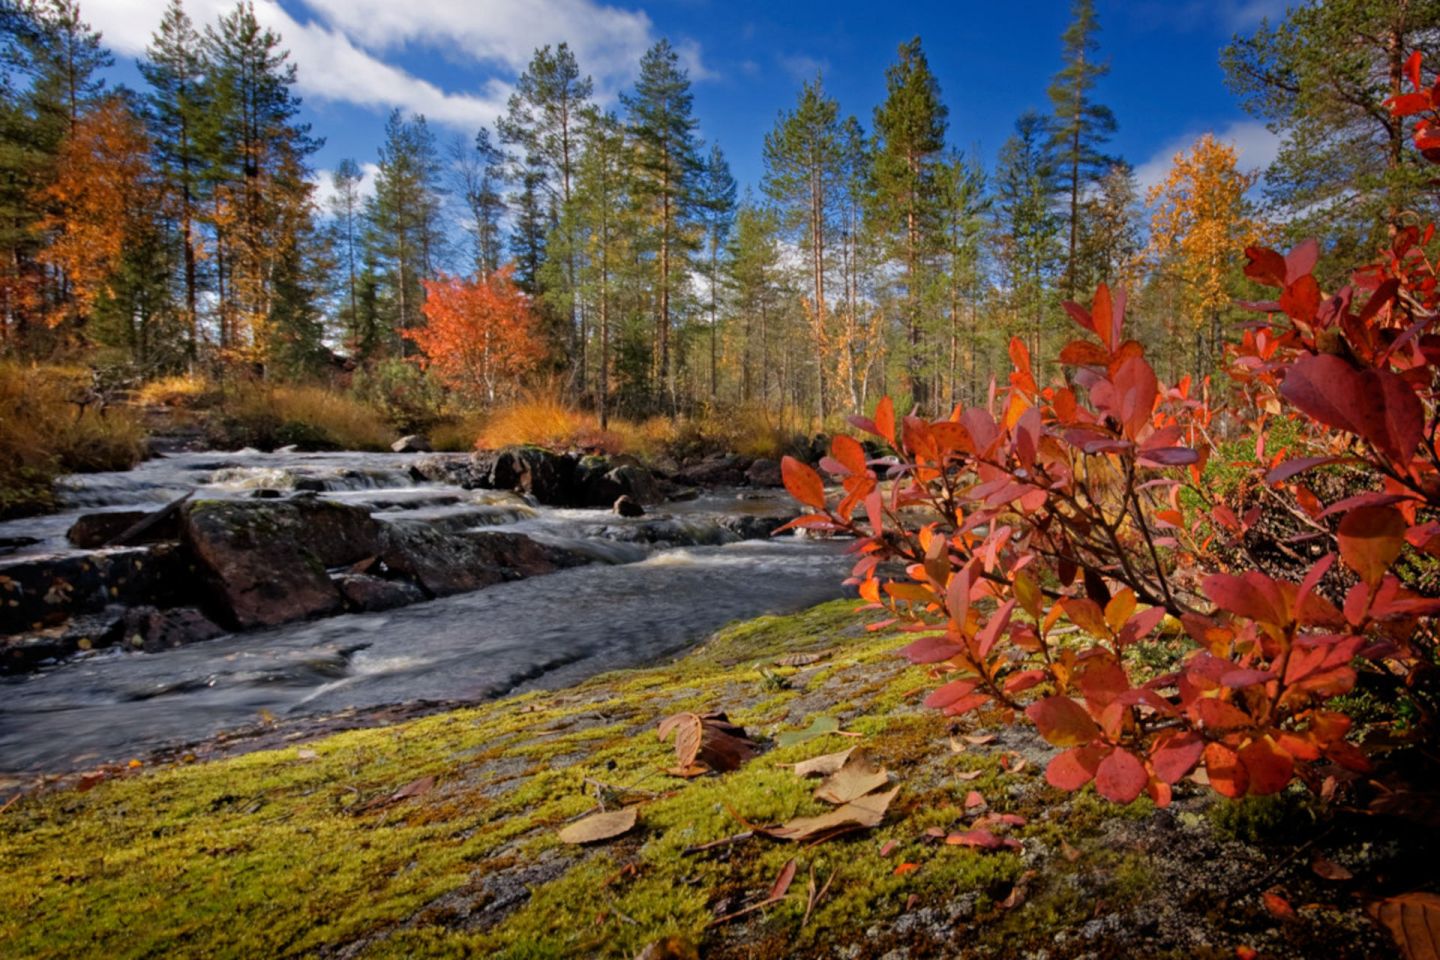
(642, 601)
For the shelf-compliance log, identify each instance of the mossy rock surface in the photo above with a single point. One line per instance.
(320, 849)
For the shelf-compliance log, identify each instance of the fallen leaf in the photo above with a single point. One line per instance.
(783, 881)
(305, 754)
(1413, 919)
(956, 746)
(818, 728)
(861, 814)
(910, 902)
(1018, 892)
(974, 799)
(1278, 906)
(969, 775)
(134, 763)
(1020, 764)
(800, 659)
(415, 788)
(905, 868)
(936, 832)
(979, 739)
(708, 740)
(888, 848)
(856, 778)
(671, 948)
(981, 838)
(89, 780)
(1329, 869)
(823, 766)
(600, 826)
(1068, 852)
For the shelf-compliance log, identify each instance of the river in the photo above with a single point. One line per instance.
(638, 604)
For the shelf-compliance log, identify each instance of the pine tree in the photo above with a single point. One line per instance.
(479, 177)
(261, 204)
(1345, 169)
(755, 269)
(1025, 188)
(909, 138)
(175, 108)
(542, 123)
(403, 218)
(662, 131)
(600, 207)
(804, 178)
(346, 211)
(1110, 240)
(1080, 127)
(717, 217)
(964, 208)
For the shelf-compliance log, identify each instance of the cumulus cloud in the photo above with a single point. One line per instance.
(1255, 148)
(341, 47)
(325, 185)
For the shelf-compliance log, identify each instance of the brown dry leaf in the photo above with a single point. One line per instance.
(1018, 892)
(979, 739)
(956, 746)
(600, 826)
(862, 814)
(1413, 919)
(974, 799)
(969, 775)
(856, 778)
(1278, 906)
(671, 948)
(801, 659)
(783, 881)
(1070, 853)
(415, 788)
(710, 740)
(1329, 869)
(823, 766)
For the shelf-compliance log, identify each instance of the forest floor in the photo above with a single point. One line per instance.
(439, 836)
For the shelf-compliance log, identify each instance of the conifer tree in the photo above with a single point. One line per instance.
(804, 178)
(1079, 128)
(717, 217)
(403, 218)
(662, 132)
(175, 113)
(909, 139)
(1025, 187)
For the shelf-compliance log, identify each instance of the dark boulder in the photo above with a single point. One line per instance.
(470, 471)
(265, 560)
(94, 530)
(716, 470)
(752, 527)
(764, 473)
(152, 630)
(600, 481)
(372, 594)
(548, 477)
(414, 443)
(626, 506)
(446, 563)
(45, 590)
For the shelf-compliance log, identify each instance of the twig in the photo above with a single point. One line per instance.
(722, 842)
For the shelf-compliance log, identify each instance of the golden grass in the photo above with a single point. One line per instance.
(185, 391)
(313, 417)
(43, 433)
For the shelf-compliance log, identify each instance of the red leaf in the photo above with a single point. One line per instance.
(1121, 777)
(1227, 774)
(948, 694)
(1265, 266)
(931, 649)
(1290, 468)
(1408, 104)
(1412, 69)
(1374, 404)
(1176, 756)
(1074, 768)
(1301, 299)
(1080, 315)
(1269, 767)
(1062, 721)
(1300, 261)
(1169, 456)
(803, 483)
(849, 454)
(1277, 905)
(1252, 595)
(1083, 353)
(1370, 540)
(885, 420)
(983, 839)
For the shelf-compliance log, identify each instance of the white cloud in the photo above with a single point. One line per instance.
(325, 185)
(802, 67)
(1255, 148)
(341, 48)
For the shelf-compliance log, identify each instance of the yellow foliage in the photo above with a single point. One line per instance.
(43, 433)
(186, 391)
(311, 416)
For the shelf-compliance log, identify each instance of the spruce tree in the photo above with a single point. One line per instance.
(717, 217)
(1025, 188)
(175, 108)
(804, 178)
(909, 140)
(1079, 128)
(662, 132)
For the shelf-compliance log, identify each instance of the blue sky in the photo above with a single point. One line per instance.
(454, 60)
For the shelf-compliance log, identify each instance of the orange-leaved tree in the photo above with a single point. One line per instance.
(100, 200)
(480, 335)
(1086, 501)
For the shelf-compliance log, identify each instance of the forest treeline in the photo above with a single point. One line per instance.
(181, 226)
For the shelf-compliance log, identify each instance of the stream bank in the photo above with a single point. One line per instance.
(437, 837)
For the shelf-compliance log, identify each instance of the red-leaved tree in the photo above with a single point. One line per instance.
(1048, 533)
(480, 336)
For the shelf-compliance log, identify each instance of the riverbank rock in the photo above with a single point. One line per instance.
(152, 630)
(46, 590)
(372, 594)
(414, 443)
(718, 469)
(627, 507)
(445, 563)
(764, 473)
(265, 560)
